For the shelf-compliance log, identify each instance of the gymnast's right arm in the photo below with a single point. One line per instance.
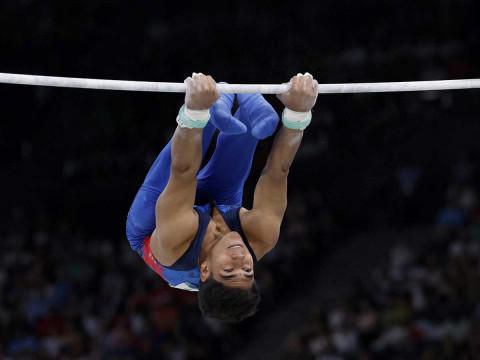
(176, 220)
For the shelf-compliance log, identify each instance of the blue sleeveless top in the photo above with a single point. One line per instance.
(184, 273)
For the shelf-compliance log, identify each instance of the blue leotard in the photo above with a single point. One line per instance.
(184, 273)
(221, 181)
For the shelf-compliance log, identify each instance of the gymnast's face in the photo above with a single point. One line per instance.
(230, 262)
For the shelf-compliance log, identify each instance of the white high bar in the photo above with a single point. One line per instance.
(103, 84)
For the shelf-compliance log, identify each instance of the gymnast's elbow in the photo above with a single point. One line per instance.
(183, 170)
(277, 172)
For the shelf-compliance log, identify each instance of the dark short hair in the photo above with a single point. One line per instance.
(229, 304)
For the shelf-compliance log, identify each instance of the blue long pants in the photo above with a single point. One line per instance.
(221, 179)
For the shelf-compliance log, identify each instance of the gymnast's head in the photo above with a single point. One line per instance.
(227, 290)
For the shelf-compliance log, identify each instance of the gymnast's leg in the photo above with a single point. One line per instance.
(141, 217)
(224, 176)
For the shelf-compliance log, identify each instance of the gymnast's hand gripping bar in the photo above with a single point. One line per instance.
(236, 88)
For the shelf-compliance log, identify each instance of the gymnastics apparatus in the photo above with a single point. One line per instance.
(186, 222)
(102, 84)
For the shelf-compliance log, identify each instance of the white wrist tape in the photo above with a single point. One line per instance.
(197, 115)
(295, 119)
(192, 119)
(297, 115)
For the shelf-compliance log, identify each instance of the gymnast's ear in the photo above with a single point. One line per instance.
(204, 271)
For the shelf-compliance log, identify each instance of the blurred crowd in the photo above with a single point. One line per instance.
(425, 304)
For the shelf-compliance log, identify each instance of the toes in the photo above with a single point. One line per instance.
(226, 123)
(265, 127)
(260, 116)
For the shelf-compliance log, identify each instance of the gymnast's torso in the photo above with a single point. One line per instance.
(182, 269)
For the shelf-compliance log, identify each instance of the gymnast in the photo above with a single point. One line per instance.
(188, 224)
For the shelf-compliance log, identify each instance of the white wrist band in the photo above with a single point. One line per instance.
(296, 116)
(192, 120)
(295, 119)
(197, 115)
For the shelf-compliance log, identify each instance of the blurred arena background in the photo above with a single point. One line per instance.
(379, 255)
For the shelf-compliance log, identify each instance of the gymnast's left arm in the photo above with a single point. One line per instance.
(262, 223)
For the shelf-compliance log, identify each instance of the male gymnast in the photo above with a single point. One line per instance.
(188, 224)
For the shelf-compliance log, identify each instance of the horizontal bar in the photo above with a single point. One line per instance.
(103, 84)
